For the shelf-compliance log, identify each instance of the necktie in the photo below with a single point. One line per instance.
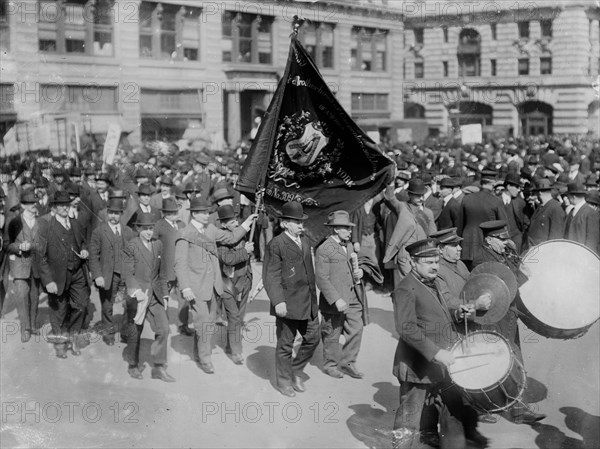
(568, 223)
(67, 225)
(116, 231)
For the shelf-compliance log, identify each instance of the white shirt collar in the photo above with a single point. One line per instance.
(199, 226)
(577, 207)
(457, 193)
(295, 239)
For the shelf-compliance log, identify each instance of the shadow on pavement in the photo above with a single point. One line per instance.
(535, 392)
(262, 363)
(583, 423)
(384, 319)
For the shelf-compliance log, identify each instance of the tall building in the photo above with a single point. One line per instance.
(181, 68)
(515, 67)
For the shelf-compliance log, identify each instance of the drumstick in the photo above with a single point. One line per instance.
(467, 369)
(474, 355)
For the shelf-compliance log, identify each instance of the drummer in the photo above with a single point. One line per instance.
(497, 247)
(424, 322)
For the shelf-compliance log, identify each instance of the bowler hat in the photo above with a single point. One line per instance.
(61, 197)
(115, 205)
(339, 218)
(575, 188)
(416, 187)
(593, 197)
(488, 174)
(495, 228)
(117, 193)
(404, 175)
(226, 212)
(221, 194)
(76, 171)
(28, 197)
(73, 189)
(513, 179)
(141, 173)
(446, 236)
(198, 204)
(166, 180)
(293, 210)
(192, 186)
(144, 219)
(103, 177)
(145, 189)
(170, 205)
(423, 248)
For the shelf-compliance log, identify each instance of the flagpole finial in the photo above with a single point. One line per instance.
(296, 24)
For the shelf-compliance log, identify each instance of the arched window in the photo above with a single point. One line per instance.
(414, 110)
(469, 53)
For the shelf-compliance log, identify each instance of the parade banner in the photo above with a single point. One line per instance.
(308, 149)
(113, 136)
(471, 133)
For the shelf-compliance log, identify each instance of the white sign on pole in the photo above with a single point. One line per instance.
(374, 135)
(10, 142)
(471, 133)
(404, 134)
(113, 136)
(38, 135)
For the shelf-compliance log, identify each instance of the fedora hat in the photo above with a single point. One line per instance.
(73, 189)
(542, 185)
(144, 219)
(169, 205)
(166, 180)
(293, 210)
(339, 218)
(28, 197)
(226, 212)
(104, 177)
(145, 189)
(198, 204)
(221, 194)
(192, 186)
(416, 187)
(115, 205)
(61, 197)
(575, 188)
(593, 197)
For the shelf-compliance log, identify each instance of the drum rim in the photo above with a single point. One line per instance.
(561, 241)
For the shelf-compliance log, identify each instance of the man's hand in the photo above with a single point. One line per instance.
(249, 246)
(84, 254)
(356, 246)
(25, 246)
(281, 309)
(358, 274)
(483, 302)
(141, 296)
(444, 357)
(166, 302)
(52, 288)
(249, 220)
(465, 310)
(341, 305)
(188, 294)
(100, 282)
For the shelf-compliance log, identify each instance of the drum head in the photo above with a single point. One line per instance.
(503, 272)
(477, 285)
(563, 289)
(482, 360)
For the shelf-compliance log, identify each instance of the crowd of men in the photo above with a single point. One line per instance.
(150, 231)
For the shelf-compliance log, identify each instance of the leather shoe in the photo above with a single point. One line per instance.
(477, 438)
(135, 372)
(430, 438)
(298, 384)
(237, 359)
(109, 342)
(334, 372)
(25, 336)
(351, 371)
(522, 415)
(287, 391)
(208, 368)
(185, 330)
(123, 338)
(159, 372)
(60, 352)
(71, 347)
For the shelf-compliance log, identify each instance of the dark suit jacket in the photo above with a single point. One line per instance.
(434, 204)
(141, 268)
(547, 223)
(288, 276)
(424, 325)
(455, 275)
(24, 264)
(53, 261)
(476, 209)
(450, 215)
(517, 220)
(333, 271)
(584, 228)
(167, 234)
(103, 257)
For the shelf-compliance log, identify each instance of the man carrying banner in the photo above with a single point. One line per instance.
(289, 281)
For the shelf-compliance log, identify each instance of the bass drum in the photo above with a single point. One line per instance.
(561, 298)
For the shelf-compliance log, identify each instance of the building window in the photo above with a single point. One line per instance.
(246, 38)
(445, 68)
(524, 66)
(419, 36)
(445, 31)
(78, 98)
(317, 38)
(523, 30)
(546, 65)
(494, 30)
(4, 28)
(368, 49)
(169, 31)
(546, 28)
(76, 26)
(370, 103)
(419, 69)
(493, 67)
(469, 53)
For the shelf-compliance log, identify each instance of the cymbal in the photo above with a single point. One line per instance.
(481, 283)
(503, 272)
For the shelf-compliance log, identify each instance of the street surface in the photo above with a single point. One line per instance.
(90, 400)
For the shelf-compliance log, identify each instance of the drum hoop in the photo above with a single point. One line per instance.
(561, 241)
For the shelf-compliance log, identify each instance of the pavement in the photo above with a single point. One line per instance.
(90, 400)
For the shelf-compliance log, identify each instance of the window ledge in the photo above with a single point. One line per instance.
(73, 58)
(164, 63)
(370, 74)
